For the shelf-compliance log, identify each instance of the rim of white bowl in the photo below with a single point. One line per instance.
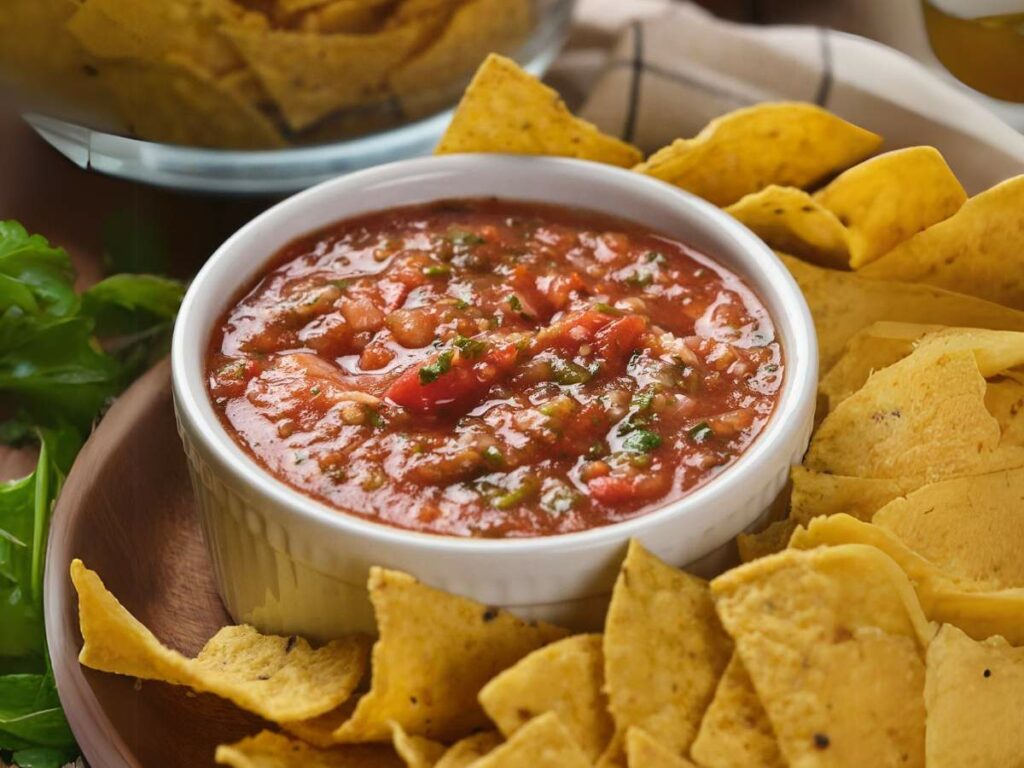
(796, 331)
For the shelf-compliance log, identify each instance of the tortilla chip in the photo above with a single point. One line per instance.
(664, 650)
(832, 640)
(643, 751)
(419, 10)
(791, 144)
(542, 743)
(772, 539)
(344, 16)
(566, 678)
(735, 731)
(415, 751)
(842, 303)
(319, 731)
(435, 652)
(887, 199)
(877, 346)
(792, 221)
(923, 417)
(1004, 399)
(466, 751)
(480, 27)
(974, 694)
(817, 494)
(310, 76)
(508, 110)
(981, 614)
(272, 750)
(149, 32)
(976, 251)
(972, 528)
(278, 678)
(176, 103)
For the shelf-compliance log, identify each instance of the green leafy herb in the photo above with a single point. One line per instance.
(527, 489)
(63, 357)
(559, 499)
(702, 432)
(494, 456)
(470, 348)
(606, 309)
(567, 372)
(640, 278)
(430, 372)
(463, 238)
(461, 304)
(515, 303)
(642, 400)
(654, 257)
(641, 441)
(437, 270)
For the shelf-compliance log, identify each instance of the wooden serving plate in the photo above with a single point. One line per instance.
(127, 512)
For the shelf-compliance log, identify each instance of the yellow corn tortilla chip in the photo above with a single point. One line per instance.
(791, 144)
(152, 31)
(319, 731)
(310, 76)
(480, 27)
(819, 494)
(791, 220)
(506, 109)
(344, 16)
(435, 652)
(877, 346)
(972, 528)
(735, 731)
(832, 640)
(664, 650)
(467, 751)
(974, 694)
(415, 751)
(565, 677)
(843, 303)
(976, 251)
(922, 417)
(542, 743)
(889, 198)
(643, 751)
(176, 103)
(278, 678)
(418, 10)
(772, 539)
(944, 598)
(272, 750)
(1004, 399)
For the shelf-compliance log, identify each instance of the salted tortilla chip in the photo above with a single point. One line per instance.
(566, 678)
(974, 694)
(943, 597)
(542, 743)
(819, 494)
(644, 751)
(176, 103)
(1004, 399)
(418, 10)
(506, 109)
(278, 678)
(735, 731)
(310, 76)
(478, 28)
(467, 751)
(832, 639)
(791, 220)
(889, 198)
(435, 652)
(877, 346)
(344, 16)
(272, 750)
(664, 650)
(976, 251)
(922, 417)
(772, 539)
(972, 528)
(415, 751)
(843, 303)
(791, 144)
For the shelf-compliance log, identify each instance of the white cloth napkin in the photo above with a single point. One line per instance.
(674, 67)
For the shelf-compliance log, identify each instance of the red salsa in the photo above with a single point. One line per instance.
(493, 368)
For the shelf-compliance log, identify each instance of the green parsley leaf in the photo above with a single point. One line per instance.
(641, 441)
(470, 348)
(702, 432)
(429, 373)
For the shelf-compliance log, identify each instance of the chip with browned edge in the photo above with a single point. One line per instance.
(508, 110)
(272, 750)
(278, 678)
(644, 751)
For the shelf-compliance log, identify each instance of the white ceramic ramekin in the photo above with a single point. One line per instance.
(287, 563)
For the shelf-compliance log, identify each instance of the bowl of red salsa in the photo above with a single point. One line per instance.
(490, 371)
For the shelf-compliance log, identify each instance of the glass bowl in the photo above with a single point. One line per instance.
(288, 169)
